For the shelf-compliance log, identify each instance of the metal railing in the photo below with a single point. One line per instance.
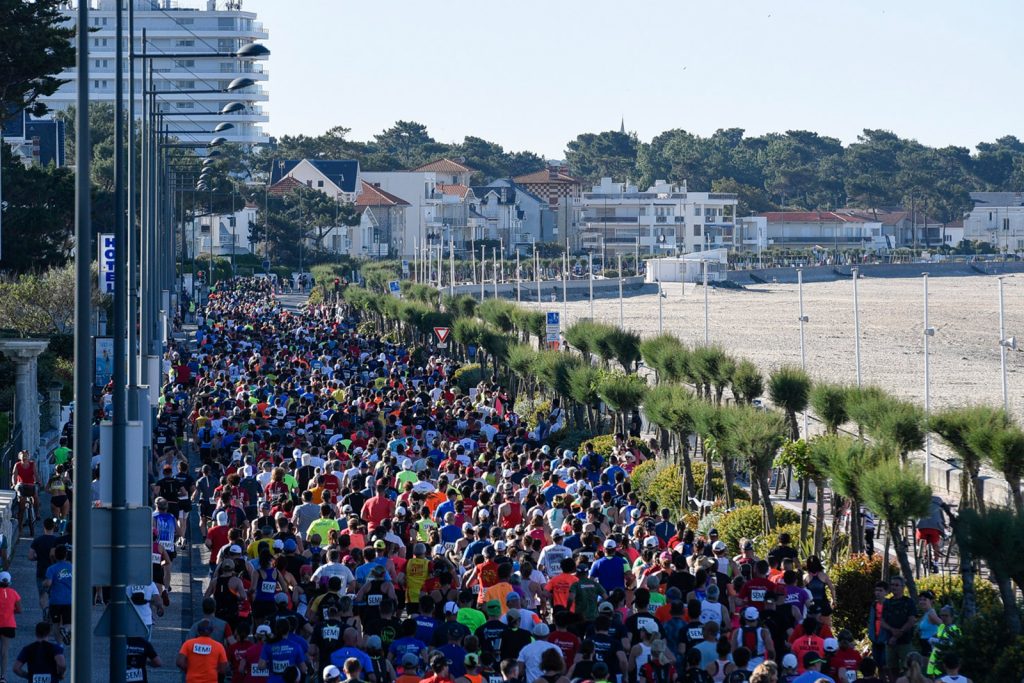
(9, 455)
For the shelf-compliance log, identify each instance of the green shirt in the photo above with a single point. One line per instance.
(61, 455)
(470, 618)
(322, 527)
(585, 595)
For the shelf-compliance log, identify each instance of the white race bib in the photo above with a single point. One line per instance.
(695, 633)
(44, 678)
(373, 600)
(167, 545)
(157, 558)
(757, 595)
(201, 649)
(331, 632)
(268, 586)
(279, 666)
(257, 672)
(851, 676)
(131, 675)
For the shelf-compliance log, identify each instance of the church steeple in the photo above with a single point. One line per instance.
(622, 126)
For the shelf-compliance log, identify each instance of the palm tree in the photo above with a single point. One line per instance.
(900, 424)
(788, 387)
(583, 382)
(704, 365)
(757, 435)
(1006, 453)
(661, 354)
(747, 382)
(468, 332)
(622, 394)
(497, 312)
(625, 347)
(864, 404)
(581, 336)
(829, 404)
(846, 461)
(521, 358)
(552, 370)
(711, 422)
(964, 429)
(897, 495)
(671, 407)
(997, 536)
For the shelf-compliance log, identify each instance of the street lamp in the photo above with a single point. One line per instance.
(221, 127)
(232, 107)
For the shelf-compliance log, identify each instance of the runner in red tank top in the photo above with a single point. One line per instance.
(23, 478)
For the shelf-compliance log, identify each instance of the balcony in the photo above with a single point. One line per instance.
(600, 220)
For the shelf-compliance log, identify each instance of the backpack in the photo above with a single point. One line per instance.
(738, 676)
(696, 676)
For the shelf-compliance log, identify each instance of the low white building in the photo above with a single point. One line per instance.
(617, 218)
(229, 233)
(423, 214)
(689, 267)
(998, 219)
(822, 230)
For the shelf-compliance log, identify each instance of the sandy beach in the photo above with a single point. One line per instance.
(761, 323)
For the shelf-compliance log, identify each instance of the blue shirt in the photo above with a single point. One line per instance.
(457, 656)
(363, 571)
(610, 572)
(812, 677)
(59, 573)
(338, 658)
(404, 646)
(279, 656)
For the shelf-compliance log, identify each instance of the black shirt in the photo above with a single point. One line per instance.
(490, 634)
(42, 545)
(40, 657)
(606, 649)
(513, 640)
(327, 638)
(140, 651)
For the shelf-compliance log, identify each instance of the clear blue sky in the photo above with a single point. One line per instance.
(533, 74)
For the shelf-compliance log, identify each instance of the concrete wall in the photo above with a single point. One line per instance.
(882, 270)
(576, 290)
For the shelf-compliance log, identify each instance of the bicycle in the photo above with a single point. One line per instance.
(26, 514)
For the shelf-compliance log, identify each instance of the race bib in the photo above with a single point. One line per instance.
(45, 678)
(132, 675)
(331, 632)
(374, 600)
(851, 676)
(201, 649)
(695, 633)
(157, 558)
(268, 587)
(279, 666)
(257, 672)
(757, 595)
(167, 545)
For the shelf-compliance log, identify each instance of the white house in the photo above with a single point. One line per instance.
(823, 230)
(689, 267)
(230, 233)
(997, 218)
(338, 178)
(422, 215)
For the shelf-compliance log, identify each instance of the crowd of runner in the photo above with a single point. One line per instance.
(367, 521)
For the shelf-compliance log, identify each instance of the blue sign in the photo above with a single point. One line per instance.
(552, 317)
(395, 288)
(266, 265)
(471, 351)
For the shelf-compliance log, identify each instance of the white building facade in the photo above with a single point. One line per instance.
(230, 233)
(998, 219)
(179, 28)
(666, 219)
(423, 214)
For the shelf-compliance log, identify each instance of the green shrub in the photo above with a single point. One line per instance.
(699, 469)
(642, 476)
(792, 527)
(603, 445)
(569, 439)
(659, 483)
(855, 580)
(949, 590)
(468, 376)
(747, 521)
(988, 651)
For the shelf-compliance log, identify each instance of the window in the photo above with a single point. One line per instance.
(185, 85)
(225, 45)
(309, 183)
(225, 23)
(319, 183)
(99, 42)
(102, 63)
(1006, 223)
(696, 210)
(643, 210)
(696, 231)
(227, 67)
(185, 43)
(231, 221)
(99, 85)
(1020, 243)
(185, 22)
(185, 63)
(186, 105)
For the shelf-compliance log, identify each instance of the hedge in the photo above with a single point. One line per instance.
(468, 376)
(603, 445)
(855, 579)
(747, 521)
(949, 590)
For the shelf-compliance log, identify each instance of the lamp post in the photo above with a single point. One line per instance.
(707, 327)
(803, 320)
(929, 332)
(519, 279)
(590, 278)
(536, 273)
(1004, 343)
(621, 316)
(856, 323)
(565, 297)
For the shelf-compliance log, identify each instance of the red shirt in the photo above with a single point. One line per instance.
(755, 591)
(568, 643)
(376, 510)
(844, 659)
(218, 537)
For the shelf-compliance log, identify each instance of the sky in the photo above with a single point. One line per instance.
(534, 74)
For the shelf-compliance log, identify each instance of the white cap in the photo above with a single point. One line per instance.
(484, 513)
(467, 526)
(221, 518)
(545, 449)
(718, 546)
(541, 630)
(789, 661)
(651, 542)
(331, 671)
(278, 544)
(451, 607)
(610, 544)
(831, 645)
(650, 626)
(5, 577)
(263, 629)
(500, 546)
(751, 614)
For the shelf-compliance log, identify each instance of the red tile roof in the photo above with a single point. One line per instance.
(444, 166)
(810, 217)
(546, 176)
(284, 186)
(459, 191)
(374, 196)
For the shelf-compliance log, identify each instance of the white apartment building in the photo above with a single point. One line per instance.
(230, 235)
(666, 219)
(179, 28)
(997, 218)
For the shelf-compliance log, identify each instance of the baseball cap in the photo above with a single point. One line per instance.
(557, 533)
(236, 549)
(831, 644)
(278, 544)
(751, 614)
(379, 544)
(812, 658)
(331, 671)
(264, 630)
(748, 545)
(492, 608)
(713, 532)
(541, 630)
(5, 577)
(409, 660)
(651, 542)
(500, 546)
(665, 555)
(789, 661)
(451, 607)
(373, 643)
(718, 546)
(606, 607)
(281, 598)
(610, 544)
(290, 545)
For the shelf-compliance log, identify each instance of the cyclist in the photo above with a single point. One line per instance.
(24, 478)
(931, 529)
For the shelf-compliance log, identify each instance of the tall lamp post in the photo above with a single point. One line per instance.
(1004, 343)
(803, 320)
(929, 332)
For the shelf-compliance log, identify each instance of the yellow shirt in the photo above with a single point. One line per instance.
(416, 571)
(323, 527)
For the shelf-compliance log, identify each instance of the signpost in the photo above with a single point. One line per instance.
(107, 259)
(395, 289)
(553, 328)
(405, 268)
(442, 336)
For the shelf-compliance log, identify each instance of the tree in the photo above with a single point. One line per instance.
(829, 404)
(846, 461)
(900, 424)
(39, 304)
(584, 381)
(36, 44)
(622, 394)
(408, 142)
(747, 382)
(964, 430)
(788, 387)
(1006, 453)
(756, 436)
(672, 408)
(897, 495)
(611, 154)
(666, 355)
(997, 536)
(39, 216)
